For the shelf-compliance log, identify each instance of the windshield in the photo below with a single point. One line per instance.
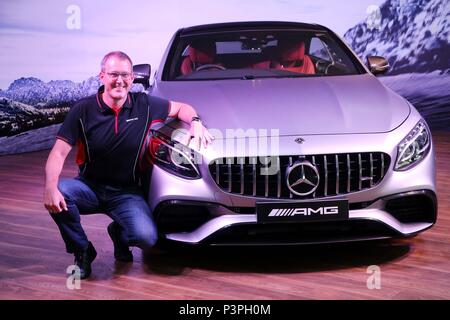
(259, 54)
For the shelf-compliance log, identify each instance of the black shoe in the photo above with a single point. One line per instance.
(121, 251)
(83, 260)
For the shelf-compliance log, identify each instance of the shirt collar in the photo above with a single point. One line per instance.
(104, 107)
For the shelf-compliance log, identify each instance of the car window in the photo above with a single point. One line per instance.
(258, 54)
(318, 49)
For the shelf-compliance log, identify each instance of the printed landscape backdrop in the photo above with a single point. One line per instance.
(50, 49)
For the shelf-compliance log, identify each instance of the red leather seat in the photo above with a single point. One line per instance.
(260, 65)
(199, 54)
(292, 57)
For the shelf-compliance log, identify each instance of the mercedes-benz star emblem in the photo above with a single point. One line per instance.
(299, 140)
(302, 178)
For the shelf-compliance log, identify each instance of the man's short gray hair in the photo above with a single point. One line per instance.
(118, 54)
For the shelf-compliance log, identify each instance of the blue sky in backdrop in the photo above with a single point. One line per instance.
(59, 39)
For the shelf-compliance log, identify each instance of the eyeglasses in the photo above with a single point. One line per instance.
(115, 75)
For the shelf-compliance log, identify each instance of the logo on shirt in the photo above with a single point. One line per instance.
(132, 119)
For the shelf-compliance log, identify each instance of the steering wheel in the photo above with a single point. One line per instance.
(323, 65)
(210, 66)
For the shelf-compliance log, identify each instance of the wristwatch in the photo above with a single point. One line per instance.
(196, 119)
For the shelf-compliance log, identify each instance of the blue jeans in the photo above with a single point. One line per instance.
(126, 206)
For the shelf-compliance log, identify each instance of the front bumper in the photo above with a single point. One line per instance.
(199, 212)
(400, 215)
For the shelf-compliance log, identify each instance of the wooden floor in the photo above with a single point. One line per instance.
(33, 261)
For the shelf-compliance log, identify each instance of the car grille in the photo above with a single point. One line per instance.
(339, 174)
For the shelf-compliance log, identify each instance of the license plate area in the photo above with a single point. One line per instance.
(299, 211)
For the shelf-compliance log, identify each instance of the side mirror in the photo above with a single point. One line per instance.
(142, 74)
(377, 65)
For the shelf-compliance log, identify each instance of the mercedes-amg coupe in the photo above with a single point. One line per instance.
(310, 147)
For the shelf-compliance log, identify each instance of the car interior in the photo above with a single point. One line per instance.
(307, 55)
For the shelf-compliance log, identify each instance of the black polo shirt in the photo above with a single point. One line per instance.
(110, 144)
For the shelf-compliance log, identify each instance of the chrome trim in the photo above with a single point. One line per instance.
(371, 170)
(314, 164)
(348, 173)
(360, 171)
(227, 220)
(242, 174)
(337, 174)
(230, 176)
(278, 178)
(254, 178)
(266, 185)
(290, 192)
(325, 167)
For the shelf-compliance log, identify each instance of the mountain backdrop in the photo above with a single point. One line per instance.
(414, 35)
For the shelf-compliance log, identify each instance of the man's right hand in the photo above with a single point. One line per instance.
(54, 201)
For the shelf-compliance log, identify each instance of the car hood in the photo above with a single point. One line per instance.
(312, 105)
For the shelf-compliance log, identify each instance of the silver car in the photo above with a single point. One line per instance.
(310, 147)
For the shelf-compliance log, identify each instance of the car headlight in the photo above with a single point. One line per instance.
(174, 157)
(414, 147)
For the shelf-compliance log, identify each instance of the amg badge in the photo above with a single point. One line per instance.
(302, 211)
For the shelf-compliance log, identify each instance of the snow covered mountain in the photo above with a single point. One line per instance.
(10, 107)
(40, 94)
(17, 117)
(30, 103)
(414, 35)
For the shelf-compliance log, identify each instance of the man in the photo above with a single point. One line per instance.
(109, 129)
